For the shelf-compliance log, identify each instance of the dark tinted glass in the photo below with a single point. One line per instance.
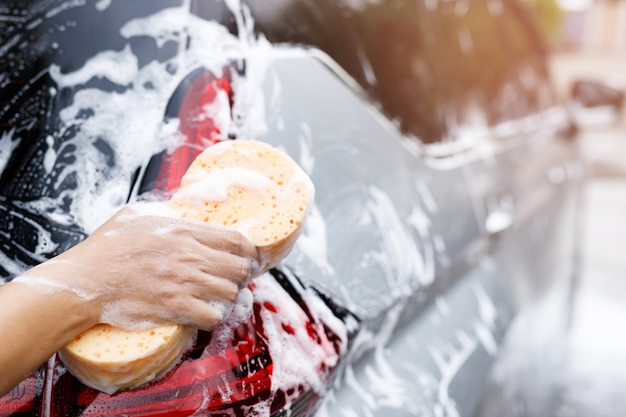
(434, 66)
(383, 45)
(526, 58)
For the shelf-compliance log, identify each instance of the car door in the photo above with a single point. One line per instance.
(394, 141)
(392, 239)
(537, 251)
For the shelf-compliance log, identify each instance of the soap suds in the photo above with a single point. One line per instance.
(8, 142)
(214, 185)
(41, 283)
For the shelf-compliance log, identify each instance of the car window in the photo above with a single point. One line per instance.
(526, 61)
(435, 67)
(429, 59)
(380, 44)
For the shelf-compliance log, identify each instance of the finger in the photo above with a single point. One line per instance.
(225, 239)
(211, 235)
(190, 263)
(226, 265)
(203, 315)
(207, 287)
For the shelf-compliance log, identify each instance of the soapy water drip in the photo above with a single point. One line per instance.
(384, 384)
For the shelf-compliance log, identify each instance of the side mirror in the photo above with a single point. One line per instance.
(596, 104)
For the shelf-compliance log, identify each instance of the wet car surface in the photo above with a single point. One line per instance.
(446, 190)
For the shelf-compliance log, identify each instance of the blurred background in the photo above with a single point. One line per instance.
(588, 38)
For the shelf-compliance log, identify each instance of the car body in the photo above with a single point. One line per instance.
(440, 253)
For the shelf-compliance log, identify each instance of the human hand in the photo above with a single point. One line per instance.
(142, 270)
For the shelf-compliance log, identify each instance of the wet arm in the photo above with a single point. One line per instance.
(34, 324)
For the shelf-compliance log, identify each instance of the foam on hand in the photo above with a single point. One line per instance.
(244, 184)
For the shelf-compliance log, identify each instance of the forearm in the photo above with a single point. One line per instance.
(34, 324)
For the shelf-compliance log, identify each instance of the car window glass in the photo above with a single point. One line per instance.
(422, 61)
(380, 44)
(468, 64)
(526, 56)
(397, 42)
(440, 69)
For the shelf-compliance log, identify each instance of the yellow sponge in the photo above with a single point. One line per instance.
(244, 184)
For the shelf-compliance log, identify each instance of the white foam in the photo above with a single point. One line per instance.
(7, 144)
(45, 244)
(114, 313)
(50, 286)
(213, 185)
(313, 243)
(400, 257)
(129, 120)
(222, 335)
(119, 67)
(64, 6)
(151, 208)
(221, 308)
(102, 4)
(306, 159)
(297, 357)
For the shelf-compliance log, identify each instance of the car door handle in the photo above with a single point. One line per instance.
(498, 221)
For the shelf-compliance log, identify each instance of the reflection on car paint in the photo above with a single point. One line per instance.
(382, 384)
